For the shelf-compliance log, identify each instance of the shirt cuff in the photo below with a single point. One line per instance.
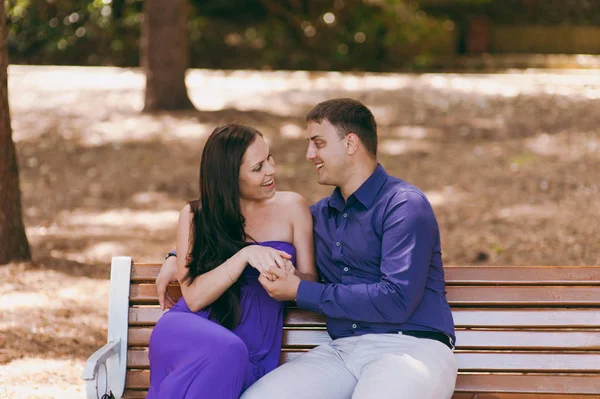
(309, 295)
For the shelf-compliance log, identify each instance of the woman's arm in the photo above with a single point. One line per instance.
(303, 239)
(209, 286)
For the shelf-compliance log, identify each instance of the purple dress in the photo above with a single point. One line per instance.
(194, 357)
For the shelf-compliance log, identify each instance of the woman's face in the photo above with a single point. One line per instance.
(257, 173)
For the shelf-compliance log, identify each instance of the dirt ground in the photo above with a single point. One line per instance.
(511, 163)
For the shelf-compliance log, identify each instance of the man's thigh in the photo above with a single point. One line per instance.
(424, 370)
(318, 374)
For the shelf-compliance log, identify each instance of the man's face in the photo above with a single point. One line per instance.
(327, 151)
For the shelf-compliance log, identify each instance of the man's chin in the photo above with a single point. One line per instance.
(324, 181)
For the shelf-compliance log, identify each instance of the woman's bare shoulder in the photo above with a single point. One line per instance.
(291, 199)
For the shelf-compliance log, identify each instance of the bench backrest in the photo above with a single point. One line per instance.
(520, 330)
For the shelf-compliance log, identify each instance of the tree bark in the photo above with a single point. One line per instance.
(13, 241)
(165, 54)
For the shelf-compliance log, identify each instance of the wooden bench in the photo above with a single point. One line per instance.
(522, 332)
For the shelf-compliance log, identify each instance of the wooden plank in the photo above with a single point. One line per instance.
(471, 361)
(526, 318)
(529, 362)
(149, 315)
(139, 336)
(506, 383)
(144, 272)
(480, 340)
(463, 318)
(475, 296)
(468, 275)
(471, 339)
(303, 318)
(144, 316)
(522, 275)
(524, 296)
(138, 358)
(146, 293)
(129, 394)
(142, 394)
(530, 383)
(137, 379)
(528, 340)
(487, 395)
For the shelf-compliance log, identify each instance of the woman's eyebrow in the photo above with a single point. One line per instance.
(263, 161)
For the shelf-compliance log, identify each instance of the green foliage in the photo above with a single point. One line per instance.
(80, 32)
(375, 35)
(333, 35)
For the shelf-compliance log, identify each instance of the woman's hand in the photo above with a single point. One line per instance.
(167, 274)
(289, 267)
(264, 258)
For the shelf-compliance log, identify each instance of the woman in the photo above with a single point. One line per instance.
(225, 332)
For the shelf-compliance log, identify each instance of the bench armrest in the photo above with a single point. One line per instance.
(95, 371)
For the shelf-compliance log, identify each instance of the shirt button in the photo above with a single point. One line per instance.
(345, 215)
(354, 326)
(345, 269)
(337, 244)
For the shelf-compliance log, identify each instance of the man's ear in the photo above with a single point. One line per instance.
(352, 143)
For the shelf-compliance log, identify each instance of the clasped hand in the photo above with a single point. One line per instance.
(276, 271)
(266, 259)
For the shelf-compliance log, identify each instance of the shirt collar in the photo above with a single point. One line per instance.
(365, 194)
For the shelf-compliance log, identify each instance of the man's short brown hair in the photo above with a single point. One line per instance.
(348, 116)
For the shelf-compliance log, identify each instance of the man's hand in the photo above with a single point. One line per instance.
(167, 274)
(264, 259)
(285, 286)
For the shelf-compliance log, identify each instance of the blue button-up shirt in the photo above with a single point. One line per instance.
(380, 260)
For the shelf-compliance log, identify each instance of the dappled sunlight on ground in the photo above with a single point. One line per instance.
(49, 324)
(39, 378)
(509, 162)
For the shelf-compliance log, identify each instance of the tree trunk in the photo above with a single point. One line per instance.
(164, 54)
(13, 241)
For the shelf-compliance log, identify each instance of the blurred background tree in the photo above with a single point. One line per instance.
(374, 35)
(15, 246)
(165, 55)
(290, 34)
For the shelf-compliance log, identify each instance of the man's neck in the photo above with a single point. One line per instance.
(356, 177)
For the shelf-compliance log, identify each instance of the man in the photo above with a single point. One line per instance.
(378, 251)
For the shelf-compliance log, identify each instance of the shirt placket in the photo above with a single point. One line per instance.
(338, 242)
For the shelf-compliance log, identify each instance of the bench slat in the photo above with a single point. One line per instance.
(468, 361)
(526, 318)
(524, 295)
(142, 394)
(522, 275)
(474, 339)
(130, 394)
(463, 318)
(458, 295)
(509, 383)
(506, 395)
(465, 275)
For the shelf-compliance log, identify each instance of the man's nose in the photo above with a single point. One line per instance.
(310, 153)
